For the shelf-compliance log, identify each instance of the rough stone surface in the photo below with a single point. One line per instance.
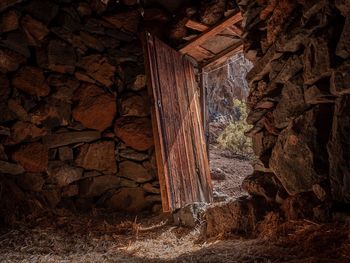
(22, 131)
(135, 132)
(64, 174)
(133, 155)
(96, 186)
(98, 156)
(96, 109)
(32, 81)
(10, 168)
(295, 159)
(135, 105)
(31, 181)
(33, 157)
(134, 171)
(67, 138)
(129, 200)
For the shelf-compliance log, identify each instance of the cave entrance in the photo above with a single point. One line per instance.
(225, 92)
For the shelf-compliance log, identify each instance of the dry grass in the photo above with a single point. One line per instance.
(114, 238)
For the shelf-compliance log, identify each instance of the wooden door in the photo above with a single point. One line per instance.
(182, 160)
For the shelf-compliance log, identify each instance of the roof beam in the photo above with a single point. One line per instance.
(196, 25)
(232, 20)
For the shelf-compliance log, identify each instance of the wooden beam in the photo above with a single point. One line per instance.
(220, 57)
(196, 25)
(211, 32)
(235, 30)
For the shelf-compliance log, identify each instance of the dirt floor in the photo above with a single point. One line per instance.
(102, 238)
(228, 171)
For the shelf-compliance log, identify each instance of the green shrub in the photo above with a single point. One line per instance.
(233, 137)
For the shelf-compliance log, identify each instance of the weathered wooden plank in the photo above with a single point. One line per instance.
(196, 25)
(223, 55)
(211, 32)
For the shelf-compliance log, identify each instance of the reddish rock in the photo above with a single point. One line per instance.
(32, 81)
(96, 109)
(139, 83)
(61, 57)
(98, 156)
(31, 181)
(135, 172)
(135, 105)
(128, 21)
(10, 61)
(35, 30)
(129, 200)
(25, 131)
(9, 21)
(33, 157)
(135, 132)
(70, 190)
(98, 68)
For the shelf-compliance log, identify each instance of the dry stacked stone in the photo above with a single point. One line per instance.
(75, 126)
(299, 102)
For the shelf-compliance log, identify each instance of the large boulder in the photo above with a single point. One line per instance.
(96, 108)
(34, 157)
(98, 156)
(135, 132)
(299, 158)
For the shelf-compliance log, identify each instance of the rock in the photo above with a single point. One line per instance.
(88, 174)
(131, 154)
(128, 21)
(299, 158)
(190, 215)
(52, 113)
(98, 68)
(61, 57)
(135, 172)
(97, 156)
(135, 105)
(149, 188)
(212, 11)
(67, 138)
(139, 83)
(300, 206)
(4, 4)
(17, 109)
(135, 132)
(70, 190)
(343, 6)
(34, 157)
(261, 184)
(63, 174)
(91, 42)
(31, 181)
(10, 61)
(128, 200)
(52, 196)
(4, 88)
(10, 168)
(22, 131)
(291, 105)
(32, 81)
(95, 186)
(340, 79)
(153, 199)
(316, 61)
(96, 109)
(338, 149)
(65, 153)
(343, 50)
(42, 10)
(3, 155)
(263, 143)
(320, 192)
(219, 197)
(34, 29)
(235, 216)
(314, 95)
(218, 174)
(9, 21)
(128, 183)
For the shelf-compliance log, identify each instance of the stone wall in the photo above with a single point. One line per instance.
(75, 129)
(299, 100)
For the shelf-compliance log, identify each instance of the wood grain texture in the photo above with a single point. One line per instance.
(181, 149)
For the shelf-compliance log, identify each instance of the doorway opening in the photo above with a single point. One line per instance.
(230, 150)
